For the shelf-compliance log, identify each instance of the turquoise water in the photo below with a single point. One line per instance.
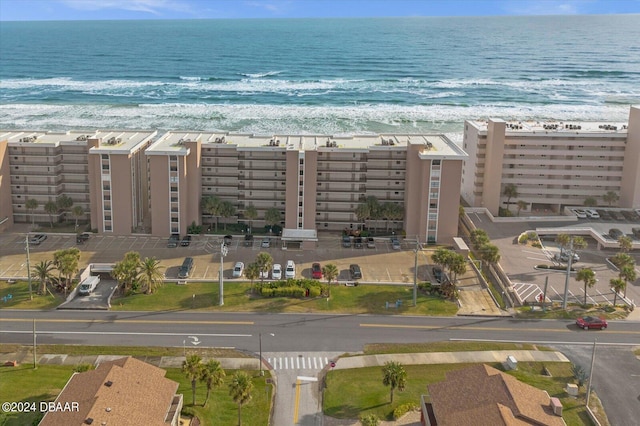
(317, 76)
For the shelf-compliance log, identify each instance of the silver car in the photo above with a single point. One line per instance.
(238, 270)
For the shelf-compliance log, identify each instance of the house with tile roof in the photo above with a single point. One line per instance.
(123, 391)
(481, 395)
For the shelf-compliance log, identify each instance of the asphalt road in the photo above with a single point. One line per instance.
(617, 378)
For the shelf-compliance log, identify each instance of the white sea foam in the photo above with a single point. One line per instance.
(262, 75)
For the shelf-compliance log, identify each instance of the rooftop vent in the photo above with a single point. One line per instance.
(550, 126)
(573, 126)
(29, 139)
(608, 127)
(429, 145)
(556, 406)
(108, 383)
(219, 140)
(88, 421)
(515, 126)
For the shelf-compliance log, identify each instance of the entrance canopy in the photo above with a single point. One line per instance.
(290, 234)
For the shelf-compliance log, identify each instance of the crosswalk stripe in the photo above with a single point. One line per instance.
(326, 361)
(314, 363)
(286, 363)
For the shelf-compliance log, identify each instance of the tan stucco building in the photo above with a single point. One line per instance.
(316, 182)
(552, 164)
(103, 171)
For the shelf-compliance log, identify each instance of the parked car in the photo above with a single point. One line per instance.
(316, 271)
(186, 240)
(371, 243)
(346, 241)
(81, 238)
(37, 239)
(604, 214)
(592, 322)
(263, 274)
(357, 242)
(636, 232)
(616, 215)
(266, 242)
(276, 272)
(238, 270)
(395, 243)
(615, 233)
(592, 214)
(290, 270)
(248, 240)
(174, 239)
(185, 269)
(438, 275)
(563, 256)
(580, 214)
(356, 272)
(227, 240)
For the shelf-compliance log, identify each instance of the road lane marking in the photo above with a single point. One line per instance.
(118, 333)
(462, 327)
(297, 401)
(125, 321)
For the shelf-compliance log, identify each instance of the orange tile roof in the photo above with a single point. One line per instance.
(138, 394)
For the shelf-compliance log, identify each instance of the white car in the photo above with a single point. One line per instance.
(592, 214)
(290, 270)
(580, 214)
(238, 269)
(264, 274)
(276, 272)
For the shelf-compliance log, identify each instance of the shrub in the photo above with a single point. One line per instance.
(532, 235)
(403, 409)
(536, 244)
(194, 229)
(370, 420)
(523, 238)
(81, 368)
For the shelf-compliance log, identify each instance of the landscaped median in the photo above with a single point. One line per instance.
(354, 388)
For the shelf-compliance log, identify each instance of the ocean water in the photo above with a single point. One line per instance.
(317, 75)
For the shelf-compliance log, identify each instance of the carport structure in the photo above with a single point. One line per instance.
(305, 239)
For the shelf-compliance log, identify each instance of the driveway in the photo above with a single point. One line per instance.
(98, 299)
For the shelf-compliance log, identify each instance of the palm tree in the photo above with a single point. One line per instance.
(272, 216)
(394, 376)
(150, 274)
(251, 214)
(31, 205)
(618, 285)
(64, 204)
(330, 272)
(521, 205)
(628, 275)
(442, 257)
(590, 202)
(264, 262)
(626, 243)
(510, 191)
(240, 391)
(212, 374)
(51, 208)
(126, 271)
(588, 277)
(211, 205)
(375, 210)
(362, 213)
(252, 272)
(77, 212)
(489, 253)
(67, 262)
(610, 197)
(192, 368)
(226, 210)
(458, 265)
(44, 272)
(478, 238)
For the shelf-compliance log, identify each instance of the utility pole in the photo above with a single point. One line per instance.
(35, 365)
(593, 360)
(415, 275)
(223, 253)
(26, 239)
(566, 280)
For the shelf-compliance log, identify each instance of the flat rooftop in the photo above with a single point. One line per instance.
(111, 140)
(434, 144)
(561, 127)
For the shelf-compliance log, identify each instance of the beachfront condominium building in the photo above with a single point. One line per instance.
(306, 183)
(104, 172)
(551, 164)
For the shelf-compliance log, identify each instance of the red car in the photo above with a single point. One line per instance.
(316, 271)
(592, 322)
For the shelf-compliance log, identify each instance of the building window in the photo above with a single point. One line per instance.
(436, 162)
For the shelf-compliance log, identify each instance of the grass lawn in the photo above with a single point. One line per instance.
(136, 351)
(352, 393)
(362, 299)
(221, 410)
(23, 383)
(399, 348)
(19, 292)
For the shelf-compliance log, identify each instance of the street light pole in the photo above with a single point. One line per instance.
(223, 253)
(29, 267)
(415, 275)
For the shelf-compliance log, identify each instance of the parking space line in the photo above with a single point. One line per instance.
(135, 239)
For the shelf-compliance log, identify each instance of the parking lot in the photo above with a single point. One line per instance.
(519, 261)
(381, 264)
